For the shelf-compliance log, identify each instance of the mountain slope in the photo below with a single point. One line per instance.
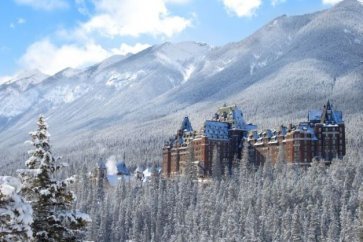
(293, 63)
(288, 66)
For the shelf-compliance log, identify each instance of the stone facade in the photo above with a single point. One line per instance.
(322, 137)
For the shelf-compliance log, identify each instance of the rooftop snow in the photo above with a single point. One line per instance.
(234, 116)
(315, 116)
(216, 129)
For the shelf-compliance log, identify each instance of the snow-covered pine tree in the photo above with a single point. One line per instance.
(245, 164)
(296, 226)
(15, 212)
(216, 164)
(51, 200)
(191, 168)
(360, 213)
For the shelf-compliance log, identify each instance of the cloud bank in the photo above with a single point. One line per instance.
(112, 20)
(50, 58)
(242, 8)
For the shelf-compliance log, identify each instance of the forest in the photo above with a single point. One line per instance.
(273, 203)
(280, 202)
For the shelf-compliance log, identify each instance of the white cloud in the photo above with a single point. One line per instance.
(111, 19)
(133, 18)
(125, 49)
(331, 2)
(49, 58)
(242, 8)
(44, 4)
(277, 2)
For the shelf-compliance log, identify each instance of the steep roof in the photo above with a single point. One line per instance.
(234, 116)
(216, 129)
(122, 168)
(326, 116)
(186, 125)
(305, 127)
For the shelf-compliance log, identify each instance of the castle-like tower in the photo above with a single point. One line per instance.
(322, 136)
(224, 132)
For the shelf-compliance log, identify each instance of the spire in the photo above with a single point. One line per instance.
(186, 125)
(327, 115)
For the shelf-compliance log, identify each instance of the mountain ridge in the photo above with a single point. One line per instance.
(293, 62)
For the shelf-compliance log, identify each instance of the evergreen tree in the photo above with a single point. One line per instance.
(296, 226)
(191, 167)
(250, 225)
(360, 228)
(281, 155)
(15, 212)
(216, 163)
(50, 198)
(245, 165)
(286, 225)
(314, 224)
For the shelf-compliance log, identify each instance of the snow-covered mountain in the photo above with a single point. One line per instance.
(292, 63)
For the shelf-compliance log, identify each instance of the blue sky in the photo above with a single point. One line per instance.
(51, 35)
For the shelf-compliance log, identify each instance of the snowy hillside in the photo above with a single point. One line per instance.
(292, 63)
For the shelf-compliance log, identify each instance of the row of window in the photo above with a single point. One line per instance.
(330, 129)
(330, 136)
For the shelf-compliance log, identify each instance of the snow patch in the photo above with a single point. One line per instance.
(44, 192)
(219, 66)
(6, 190)
(69, 72)
(14, 102)
(111, 165)
(188, 72)
(14, 210)
(180, 52)
(256, 65)
(120, 80)
(256, 56)
(66, 94)
(12, 182)
(24, 79)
